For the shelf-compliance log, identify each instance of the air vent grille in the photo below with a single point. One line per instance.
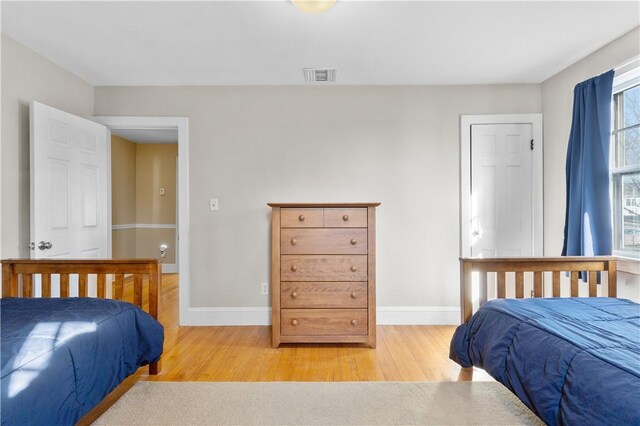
(320, 75)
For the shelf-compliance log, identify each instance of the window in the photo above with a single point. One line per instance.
(625, 167)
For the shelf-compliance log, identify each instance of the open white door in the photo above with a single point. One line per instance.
(69, 196)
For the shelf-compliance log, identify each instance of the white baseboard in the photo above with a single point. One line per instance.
(227, 316)
(386, 315)
(169, 268)
(418, 315)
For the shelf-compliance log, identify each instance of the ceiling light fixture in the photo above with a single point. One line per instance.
(314, 6)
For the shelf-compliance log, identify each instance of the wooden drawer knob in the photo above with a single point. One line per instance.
(301, 218)
(354, 268)
(345, 217)
(353, 295)
(294, 295)
(354, 322)
(353, 242)
(294, 268)
(294, 241)
(294, 322)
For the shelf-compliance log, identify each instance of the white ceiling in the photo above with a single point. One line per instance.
(270, 42)
(148, 135)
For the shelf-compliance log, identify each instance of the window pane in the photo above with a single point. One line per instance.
(631, 106)
(628, 147)
(630, 212)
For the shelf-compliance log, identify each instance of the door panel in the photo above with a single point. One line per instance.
(501, 190)
(68, 185)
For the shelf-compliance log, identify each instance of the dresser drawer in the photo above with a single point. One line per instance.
(323, 241)
(323, 268)
(323, 322)
(345, 218)
(301, 218)
(346, 295)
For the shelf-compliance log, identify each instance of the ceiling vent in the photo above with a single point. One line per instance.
(320, 75)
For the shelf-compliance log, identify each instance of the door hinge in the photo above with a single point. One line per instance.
(531, 144)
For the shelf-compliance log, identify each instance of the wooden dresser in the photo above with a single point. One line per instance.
(323, 273)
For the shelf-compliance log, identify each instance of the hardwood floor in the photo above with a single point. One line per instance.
(404, 353)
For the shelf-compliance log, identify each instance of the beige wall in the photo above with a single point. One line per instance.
(252, 145)
(124, 244)
(557, 106)
(123, 181)
(123, 197)
(26, 77)
(138, 172)
(155, 169)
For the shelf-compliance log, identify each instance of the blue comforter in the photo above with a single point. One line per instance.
(572, 361)
(61, 357)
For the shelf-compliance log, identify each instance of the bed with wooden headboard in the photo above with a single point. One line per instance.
(65, 359)
(571, 360)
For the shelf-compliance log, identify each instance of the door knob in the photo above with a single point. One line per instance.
(475, 233)
(44, 245)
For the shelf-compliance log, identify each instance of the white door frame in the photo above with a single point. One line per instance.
(182, 124)
(466, 121)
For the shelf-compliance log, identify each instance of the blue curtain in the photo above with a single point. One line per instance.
(587, 229)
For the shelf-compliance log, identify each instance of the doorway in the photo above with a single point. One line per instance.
(144, 195)
(501, 212)
(181, 124)
(90, 191)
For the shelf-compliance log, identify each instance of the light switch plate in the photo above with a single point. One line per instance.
(161, 191)
(213, 204)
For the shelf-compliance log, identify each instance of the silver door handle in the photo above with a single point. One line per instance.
(475, 233)
(44, 245)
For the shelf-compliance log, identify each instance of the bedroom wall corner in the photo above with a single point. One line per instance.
(28, 76)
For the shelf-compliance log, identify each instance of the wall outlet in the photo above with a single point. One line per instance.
(213, 204)
(264, 287)
(161, 191)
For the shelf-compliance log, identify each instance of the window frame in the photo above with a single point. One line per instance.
(627, 77)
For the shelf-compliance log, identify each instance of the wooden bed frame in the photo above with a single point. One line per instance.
(18, 281)
(537, 266)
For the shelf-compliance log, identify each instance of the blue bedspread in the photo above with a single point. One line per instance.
(572, 361)
(61, 357)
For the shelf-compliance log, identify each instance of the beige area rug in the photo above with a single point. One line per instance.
(330, 403)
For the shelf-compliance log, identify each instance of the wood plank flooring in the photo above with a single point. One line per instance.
(404, 353)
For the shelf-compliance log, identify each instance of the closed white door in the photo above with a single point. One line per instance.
(501, 190)
(69, 204)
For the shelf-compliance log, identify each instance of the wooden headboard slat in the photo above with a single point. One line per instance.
(536, 265)
(13, 268)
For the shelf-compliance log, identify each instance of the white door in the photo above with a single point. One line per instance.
(69, 204)
(501, 190)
